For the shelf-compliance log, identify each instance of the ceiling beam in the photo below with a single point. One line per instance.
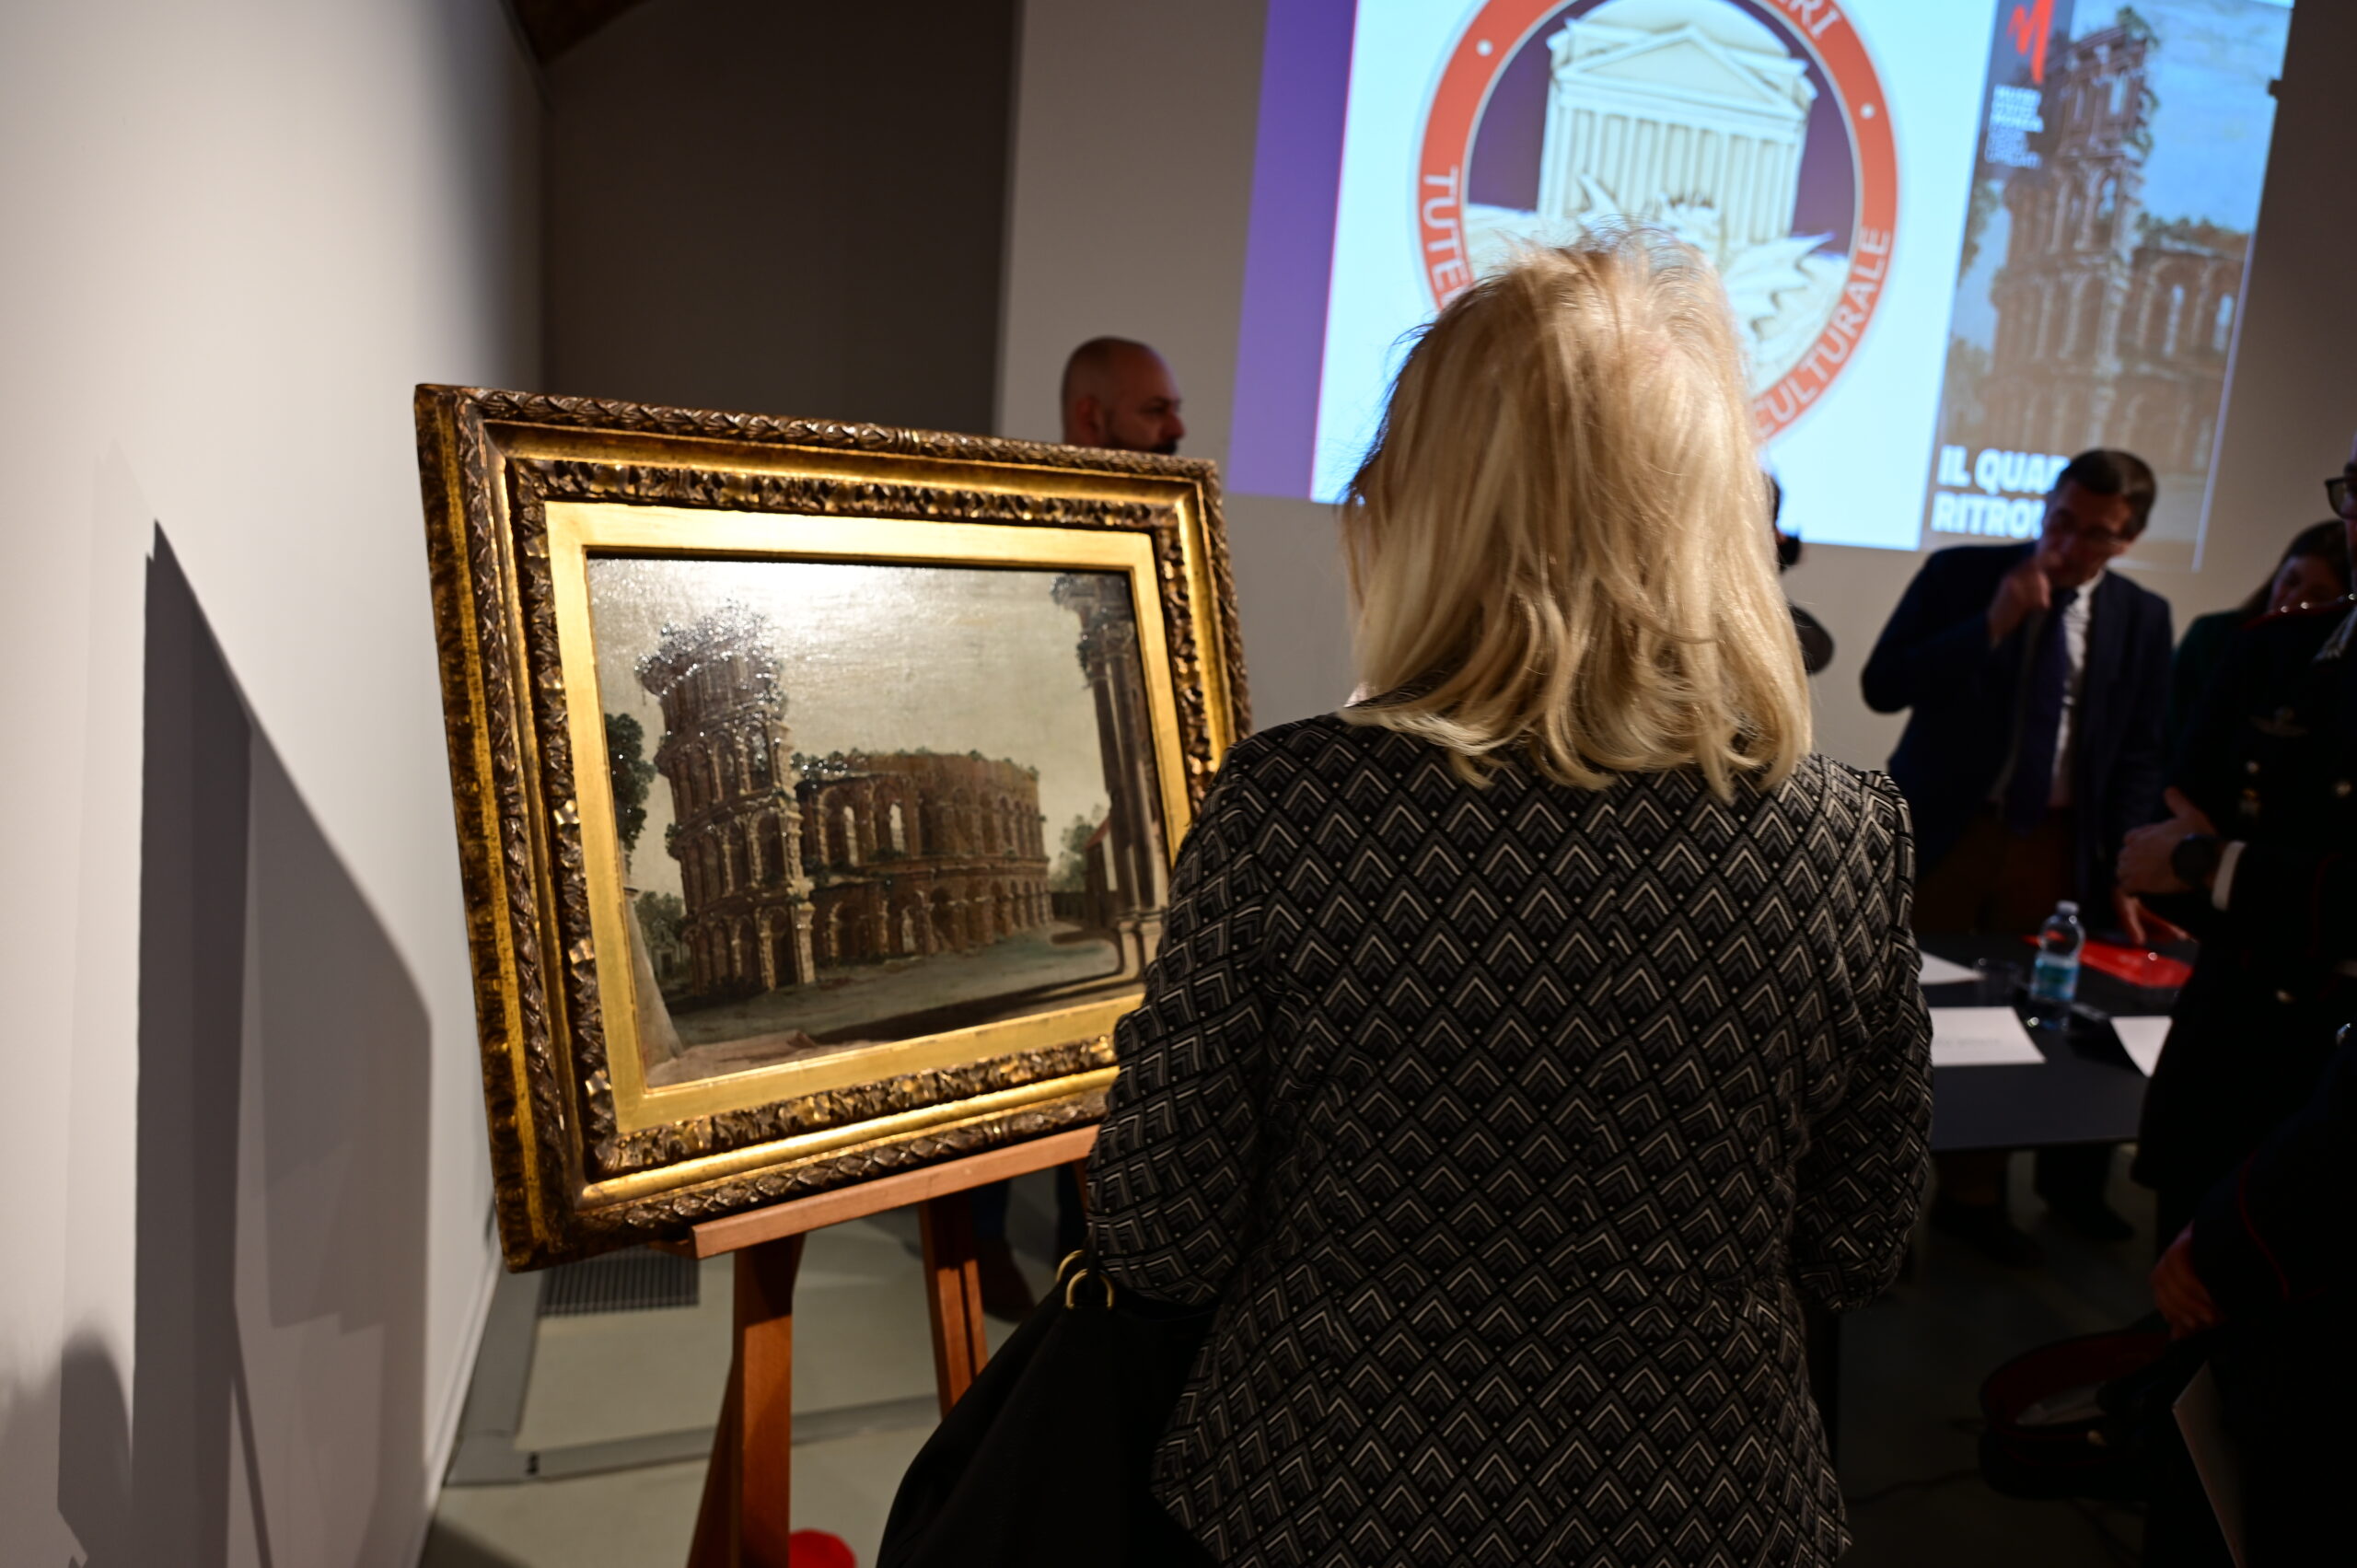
(551, 27)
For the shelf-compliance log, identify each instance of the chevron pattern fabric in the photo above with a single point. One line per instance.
(1510, 1126)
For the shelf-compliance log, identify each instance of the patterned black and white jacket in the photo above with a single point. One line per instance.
(1510, 1127)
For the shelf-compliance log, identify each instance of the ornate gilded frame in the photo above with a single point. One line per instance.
(516, 486)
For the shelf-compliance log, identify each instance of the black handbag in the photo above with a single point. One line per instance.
(1044, 1460)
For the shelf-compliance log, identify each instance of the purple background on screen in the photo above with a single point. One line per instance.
(1298, 173)
(1514, 125)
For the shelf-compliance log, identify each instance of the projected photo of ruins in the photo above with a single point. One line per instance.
(2121, 153)
(865, 803)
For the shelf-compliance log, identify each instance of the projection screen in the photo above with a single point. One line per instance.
(1962, 241)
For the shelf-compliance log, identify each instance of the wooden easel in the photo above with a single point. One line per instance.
(744, 1518)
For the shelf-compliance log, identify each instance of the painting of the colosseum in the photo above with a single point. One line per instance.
(864, 802)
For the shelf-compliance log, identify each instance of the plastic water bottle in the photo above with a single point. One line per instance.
(2054, 978)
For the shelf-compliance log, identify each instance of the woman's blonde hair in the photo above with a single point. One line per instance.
(1560, 547)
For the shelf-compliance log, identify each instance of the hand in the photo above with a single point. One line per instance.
(2144, 854)
(2144, 928)
(2129, 915)
(2020, 591)
(2183, 1299)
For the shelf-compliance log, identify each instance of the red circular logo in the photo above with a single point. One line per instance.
(1757, 130)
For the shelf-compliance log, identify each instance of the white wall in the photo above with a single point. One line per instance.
(239, 1316)
(788, 209)
(1131, 193)
(1131, 187)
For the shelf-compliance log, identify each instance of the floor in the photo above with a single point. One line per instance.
(615, 1414)
(617, 1408)
(1912, 1364)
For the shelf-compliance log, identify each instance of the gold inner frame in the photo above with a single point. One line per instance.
(577, 529)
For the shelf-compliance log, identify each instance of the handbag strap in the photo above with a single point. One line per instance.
(1071, 1284)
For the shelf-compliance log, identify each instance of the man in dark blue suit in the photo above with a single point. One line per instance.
(2038, 684)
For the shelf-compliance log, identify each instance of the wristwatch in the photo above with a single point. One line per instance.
(2194, 859)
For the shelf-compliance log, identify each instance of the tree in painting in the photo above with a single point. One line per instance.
(632, 776)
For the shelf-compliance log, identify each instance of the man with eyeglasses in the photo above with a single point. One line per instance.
(2258, 857)
(2036, 685)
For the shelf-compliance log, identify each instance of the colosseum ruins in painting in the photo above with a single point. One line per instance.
(878, 801)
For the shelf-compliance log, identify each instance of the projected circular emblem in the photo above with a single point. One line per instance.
(1755, 129)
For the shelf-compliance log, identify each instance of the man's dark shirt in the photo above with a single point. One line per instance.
(1934, 659)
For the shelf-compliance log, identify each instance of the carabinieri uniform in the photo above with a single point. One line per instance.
(2271, 758)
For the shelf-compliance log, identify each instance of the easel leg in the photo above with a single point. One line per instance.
(953, 1294)
(745, 1514)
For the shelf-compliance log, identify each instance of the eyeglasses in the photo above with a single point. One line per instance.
(2336, 491)
(2104, 540)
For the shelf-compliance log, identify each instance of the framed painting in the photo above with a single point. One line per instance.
(818, 787)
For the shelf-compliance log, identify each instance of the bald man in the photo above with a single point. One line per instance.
(1120, 394)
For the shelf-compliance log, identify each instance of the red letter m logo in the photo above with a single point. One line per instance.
(2029, 26)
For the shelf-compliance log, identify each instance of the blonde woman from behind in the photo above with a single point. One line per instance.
(1530, 1041)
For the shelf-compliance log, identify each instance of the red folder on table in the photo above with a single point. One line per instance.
(2137, 966)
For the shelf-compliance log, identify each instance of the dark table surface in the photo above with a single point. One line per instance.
(2088, 1091)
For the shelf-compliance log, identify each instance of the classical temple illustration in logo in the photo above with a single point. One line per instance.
(2112, 329)
(1695, 115)
(820, 895)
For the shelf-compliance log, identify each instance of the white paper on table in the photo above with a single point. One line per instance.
(1939, 972)
(1982, 1036)
(2142, 1038)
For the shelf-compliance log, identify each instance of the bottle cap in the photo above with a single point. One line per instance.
(2067, 907)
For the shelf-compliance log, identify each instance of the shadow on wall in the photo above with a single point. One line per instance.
(276, 1411)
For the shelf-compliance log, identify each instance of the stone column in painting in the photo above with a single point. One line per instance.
(737, 829)
(1109, 659)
